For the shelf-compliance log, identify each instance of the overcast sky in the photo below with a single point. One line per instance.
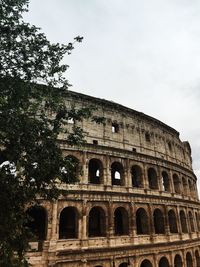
(142, 54)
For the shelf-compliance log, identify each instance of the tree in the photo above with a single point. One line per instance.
(31, 117)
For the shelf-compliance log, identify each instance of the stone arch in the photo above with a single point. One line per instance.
(197, 221)
(95, 171)
(96, 222)
(191, 220)
(163, 262)
(68, 223)
(178, 261)
(197, 258)
(189, 261)
(185, 186)
(190, 187)
(158, 219)
(146, 263)
(37, 222)
(142, 222)
(165, 181)
(121, 221)
(183, 221)
(152, 178)
(176, 182)
(172, 221)
(73, 168)
(117, 173)
(136, 175)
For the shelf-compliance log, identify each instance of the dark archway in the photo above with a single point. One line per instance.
(185, 186)
(197, 222)
(176, 182)
(124, 264)
(178, 261)
(163, 262)
(165, 181)
(183, 220)
(96, 222)
(146, 263)
(68, 224)
(142, 222)
(117, 173)
(172, 222)
(190, 187)
(189, 262)
(37, 222)
(159, 224)
(121, 221)
(136, 175)
(95, 171)
(152, 178)
(197, 258)
(191, 219)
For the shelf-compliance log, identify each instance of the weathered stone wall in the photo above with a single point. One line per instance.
(136, 203)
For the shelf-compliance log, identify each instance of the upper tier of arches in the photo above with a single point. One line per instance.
(117, 172)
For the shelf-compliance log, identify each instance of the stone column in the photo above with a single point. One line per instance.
(85, 169)
(54, 230)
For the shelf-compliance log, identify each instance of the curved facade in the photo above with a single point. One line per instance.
(136, 203)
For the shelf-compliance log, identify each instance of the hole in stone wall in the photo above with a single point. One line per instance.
(97, 222)
(95, 171)
(117, 173)
(68, 223)
(115, 127)
(37, 222)
(121, 221)
(136, 174)
(147, 137)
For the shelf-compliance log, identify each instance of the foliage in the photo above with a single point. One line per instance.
(31, 117)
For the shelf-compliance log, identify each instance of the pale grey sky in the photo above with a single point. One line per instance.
(142, 54)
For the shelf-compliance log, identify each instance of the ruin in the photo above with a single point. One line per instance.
(136, 202)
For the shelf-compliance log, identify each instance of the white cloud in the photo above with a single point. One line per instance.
(143, 54)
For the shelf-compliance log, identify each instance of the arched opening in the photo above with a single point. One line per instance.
(165, 181)
(124, 264)
(176, 182)
(68, 224)
(191, 221)
(185, 186)
(95, 171)
(72, 168)
(189, 262)
(183, 222)
(178, 261)
(117, 173)
(136, 174)
(97, 222)
(142, 222)
(159, 225)
(152, 178)
(197, 221)
(37, 223)
(163, 262)
(191, 189)
(197, 258)
(172, 222)
(146, 263)
(121, 221)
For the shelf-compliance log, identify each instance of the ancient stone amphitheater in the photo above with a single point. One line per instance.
(136, 203)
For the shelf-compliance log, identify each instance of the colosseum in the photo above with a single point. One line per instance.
(136, 202)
